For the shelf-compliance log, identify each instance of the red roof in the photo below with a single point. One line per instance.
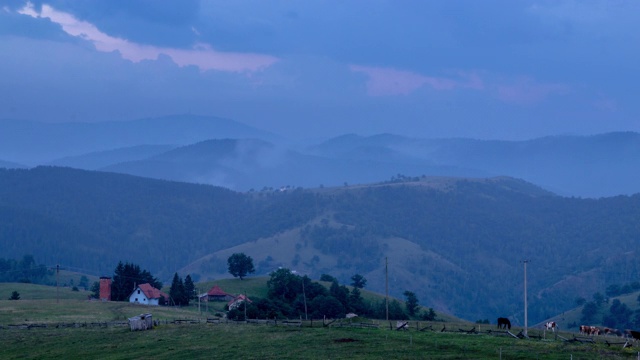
(217, 291)
(239, 299)
(152, 293)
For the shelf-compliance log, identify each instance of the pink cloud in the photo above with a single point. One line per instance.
(389, 81)
(202, 56)
(526, 91)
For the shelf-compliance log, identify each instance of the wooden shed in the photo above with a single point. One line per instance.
(141, 322)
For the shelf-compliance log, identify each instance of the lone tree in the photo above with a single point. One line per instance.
(240, 265)
(411, 303)
(15, 296)
(358, 281)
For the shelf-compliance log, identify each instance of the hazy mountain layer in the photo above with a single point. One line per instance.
(40, 142)
(457, 243)
(227, 153)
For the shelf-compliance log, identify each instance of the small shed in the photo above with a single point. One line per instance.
(141, 322)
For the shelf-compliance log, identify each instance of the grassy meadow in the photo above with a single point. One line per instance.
(249, 341)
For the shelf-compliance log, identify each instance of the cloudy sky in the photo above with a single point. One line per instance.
(512, 69)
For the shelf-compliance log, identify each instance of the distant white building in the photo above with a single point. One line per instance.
(147, 295)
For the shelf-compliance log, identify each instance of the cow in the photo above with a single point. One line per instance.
(504, 323)
(551, 325)
(584, 330)
(610, 331)
(589, 330)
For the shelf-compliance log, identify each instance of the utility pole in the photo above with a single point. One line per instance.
(57, 283)
(525, 298)
(304, 296)
(386, 285)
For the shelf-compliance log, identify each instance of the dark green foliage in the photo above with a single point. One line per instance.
(177, 291)
(598, 298)
(313, 289)
(95, 290)
(15, 296)
(125, 279)
(430, 315)
(328, 278)
(613, 290)
(327, 306)
(240, 265)
(358, 281)
(284, 285)
(340, 293)
(619, 316)
(411, 302)
(580, 301)
(26, 270)
(357, 304)
(189, 288)
(589, 312)
(287, 298)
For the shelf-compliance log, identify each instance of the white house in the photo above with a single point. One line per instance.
(147, 295)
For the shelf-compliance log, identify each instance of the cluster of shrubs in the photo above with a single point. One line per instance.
(293, 296)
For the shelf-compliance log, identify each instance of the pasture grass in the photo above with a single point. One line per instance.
(227, 341)
(249, 341)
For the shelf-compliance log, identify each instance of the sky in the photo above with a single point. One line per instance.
(511, 69)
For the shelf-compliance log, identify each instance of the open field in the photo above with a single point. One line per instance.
(228, 341)
(250, 341)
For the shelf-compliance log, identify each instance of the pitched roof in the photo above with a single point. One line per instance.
(238, 299)
(217, 291)
(150, 292)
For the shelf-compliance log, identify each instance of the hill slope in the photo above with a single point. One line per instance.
(457, 243)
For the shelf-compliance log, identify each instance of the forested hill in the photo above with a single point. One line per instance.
(457, 243)
(93, 219)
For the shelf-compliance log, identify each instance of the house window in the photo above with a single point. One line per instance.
(138, 291)
(136, 299)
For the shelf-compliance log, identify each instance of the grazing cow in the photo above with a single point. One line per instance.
(504, 323)
(584, 330)
(589, 330)
(551, 325)
(610, 331)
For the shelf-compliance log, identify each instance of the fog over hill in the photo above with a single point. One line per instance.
(456, 242)
(227, 153)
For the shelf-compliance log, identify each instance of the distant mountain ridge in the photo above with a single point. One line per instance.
(38, 143)
(586, 166)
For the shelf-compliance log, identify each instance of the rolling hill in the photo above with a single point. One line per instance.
(456, 242)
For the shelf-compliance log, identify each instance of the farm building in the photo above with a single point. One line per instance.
(237, 301)
(217, 294)
(147, 295)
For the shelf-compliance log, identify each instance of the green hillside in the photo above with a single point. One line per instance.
(456, 243)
